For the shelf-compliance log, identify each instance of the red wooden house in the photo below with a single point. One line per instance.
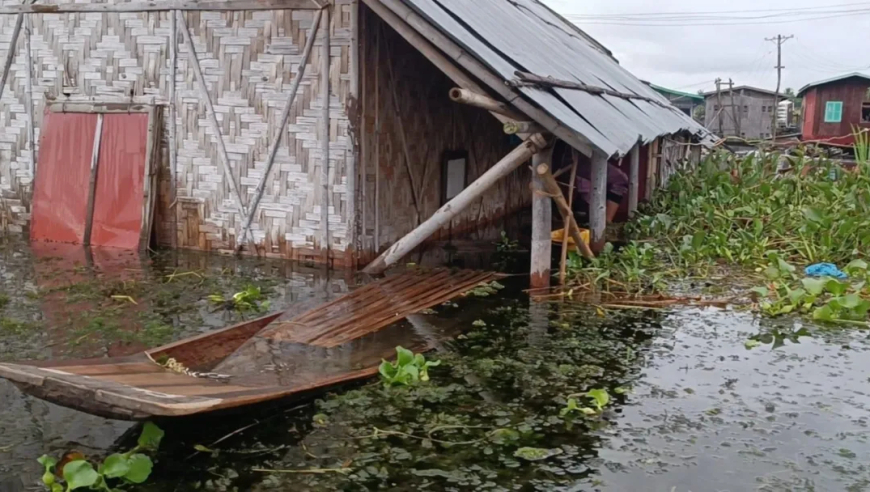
(833, 107)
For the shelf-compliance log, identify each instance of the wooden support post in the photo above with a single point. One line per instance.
(454, 207)
(552, 187)
(216, 128)
(92, 184)
(324, 142)
(279, 133)
(598, 202)
(542, 227)
(353, 154)
(634, 180)
(28, 93)
(377, 233)
(173, 125)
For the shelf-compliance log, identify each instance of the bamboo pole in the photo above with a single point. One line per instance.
(206, 98)
(465, 96)
(92, 184)
(598, 202)
(324, 142)
(10, 54)
(403, 137)
(522, 127)
(162, 6)
(563, 259)
(542, 229)
(28, 92)
(552, 187)
(173, 124)
(454, 207)
(279, 134)
(425, 38)
(634, 180)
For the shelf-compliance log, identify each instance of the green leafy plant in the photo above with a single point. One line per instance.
(117, 470)
(408, 369)
(599, 399)
(250, 299)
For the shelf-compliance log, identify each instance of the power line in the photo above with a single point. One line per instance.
(743, 11)
(684, 23)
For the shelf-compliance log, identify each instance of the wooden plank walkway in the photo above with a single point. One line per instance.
(336, 342)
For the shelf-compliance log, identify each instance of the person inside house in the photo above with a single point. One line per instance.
(617, 181)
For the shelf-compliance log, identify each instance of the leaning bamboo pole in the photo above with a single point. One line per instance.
(10, 54)
(460, 202)
(471, 98)
(206, 98)
(563, 259)
(555, 192)
(279, 133)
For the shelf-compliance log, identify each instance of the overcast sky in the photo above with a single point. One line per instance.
(689, 57)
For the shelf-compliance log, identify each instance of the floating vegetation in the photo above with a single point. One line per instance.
(116, 471)
(409, 368)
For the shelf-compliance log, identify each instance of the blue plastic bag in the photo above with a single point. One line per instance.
(825, 270)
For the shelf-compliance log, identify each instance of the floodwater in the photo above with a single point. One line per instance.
(693, 409)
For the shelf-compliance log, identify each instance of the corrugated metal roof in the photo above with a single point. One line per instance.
(833, 79)
(525, 35)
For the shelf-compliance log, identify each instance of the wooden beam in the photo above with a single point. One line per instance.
(173, 125)
(279, 134)
(542, 227)
(216, 128)
(529, 79)
(161, 6)
(633, 180)
(420, 34)
(552, 187)
(324, 138)
(92, 184)
(598, 202)
(465, 96)
(454, 207)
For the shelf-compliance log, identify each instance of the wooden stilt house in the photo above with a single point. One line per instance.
(347, 131)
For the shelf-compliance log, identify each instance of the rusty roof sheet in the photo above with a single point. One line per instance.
(525, 35)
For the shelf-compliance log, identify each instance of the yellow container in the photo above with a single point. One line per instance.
(559, 235)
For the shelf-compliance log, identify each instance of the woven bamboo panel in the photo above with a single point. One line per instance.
(249, 60)
(433, 125)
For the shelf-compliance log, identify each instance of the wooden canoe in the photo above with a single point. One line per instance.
(255, 361)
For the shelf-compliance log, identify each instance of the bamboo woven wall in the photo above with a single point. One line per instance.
(432, 125)
(249, 60)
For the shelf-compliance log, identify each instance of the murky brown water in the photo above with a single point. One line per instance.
(704, 413)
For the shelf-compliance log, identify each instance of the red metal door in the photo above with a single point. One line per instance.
(60, 195)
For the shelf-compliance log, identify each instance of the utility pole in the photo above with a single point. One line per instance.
(734, 109)
(779, 40)
(719, 104)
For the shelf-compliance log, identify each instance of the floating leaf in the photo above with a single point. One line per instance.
(151, 436)
(536, 454)
(601, 397)
(79, 474)
(140, 468)
(815, 286)
(115, 466)
(751, 344)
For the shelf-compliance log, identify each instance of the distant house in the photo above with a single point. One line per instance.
(832, 107)
(752, 117)
(684, 101)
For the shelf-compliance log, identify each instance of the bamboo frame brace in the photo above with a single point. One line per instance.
(276, 139)
(552, 187)
(465, 96)
(460, 202)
